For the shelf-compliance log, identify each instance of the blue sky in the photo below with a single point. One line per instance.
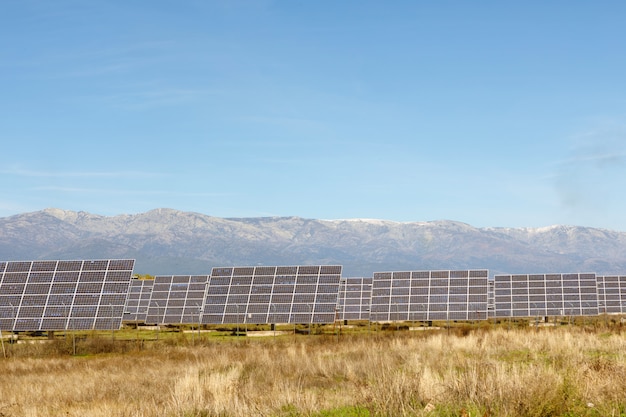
(491, 113)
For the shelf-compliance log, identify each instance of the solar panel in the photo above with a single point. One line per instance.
(611, 294)
(177, 299)
(429, 295)
(355, 295)
(272, 294)
(138, 300)
(62, 295)
(531, 295)
(491, 301)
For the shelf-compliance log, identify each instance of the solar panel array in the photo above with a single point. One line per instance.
(272, 294)
(177, 299)
(61, 295)
(429, 295)
(533, 295)
(138, 300)
(611, 294)
(99, 294)
(355, 294)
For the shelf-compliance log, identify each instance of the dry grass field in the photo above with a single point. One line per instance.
(483, 371)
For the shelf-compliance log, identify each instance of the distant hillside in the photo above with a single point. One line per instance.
(165, 241)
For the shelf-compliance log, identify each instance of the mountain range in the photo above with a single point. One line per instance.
(166, 241)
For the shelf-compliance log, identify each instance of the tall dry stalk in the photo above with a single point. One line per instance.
(556, 372)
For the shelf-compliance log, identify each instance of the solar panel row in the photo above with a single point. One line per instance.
(434, 295)
(98, 294)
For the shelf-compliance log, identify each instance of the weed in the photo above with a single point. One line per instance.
(483, 371)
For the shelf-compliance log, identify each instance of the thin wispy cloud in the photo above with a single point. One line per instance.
(10, 207)
(600, 160)
(600, 146)
(144, 99)
(96, 70)
(138, 50)
(21, 172)
(86, 68)
(588, 176)
(127, 192)
(96, 61)
(285, 122)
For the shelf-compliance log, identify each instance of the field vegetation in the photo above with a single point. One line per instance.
(466, 370)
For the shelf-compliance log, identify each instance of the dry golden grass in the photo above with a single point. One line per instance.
(563, 371)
